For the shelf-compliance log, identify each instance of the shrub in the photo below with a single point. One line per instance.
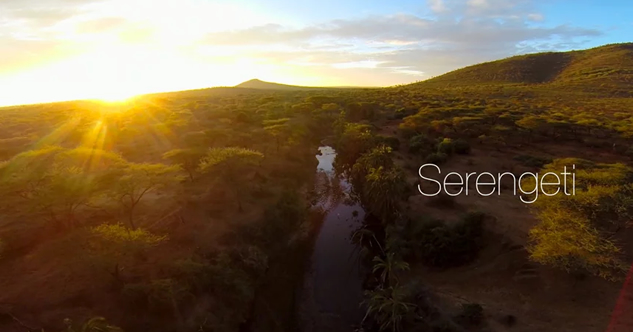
(438, 244)
(436, 158)
(390, 141)
(532, 161)
(460, 146)
(421, 144)
(445, 146)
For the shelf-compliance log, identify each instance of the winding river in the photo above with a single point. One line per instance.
(332, 289)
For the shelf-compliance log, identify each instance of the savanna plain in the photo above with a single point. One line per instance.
(198, 210)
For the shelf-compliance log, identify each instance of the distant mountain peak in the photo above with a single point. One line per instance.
(256, 83)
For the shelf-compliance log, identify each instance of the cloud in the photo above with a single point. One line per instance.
(391, 47)
(437, 5)
(536, 17)
(465, 33)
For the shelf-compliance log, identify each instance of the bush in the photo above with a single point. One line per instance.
(438, 244)
(532, 161)
(460, 146)
(445, 146)
(421, 145)
(390, 141)
(436, 158)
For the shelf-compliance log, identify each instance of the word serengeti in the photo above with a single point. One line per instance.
(486, 184)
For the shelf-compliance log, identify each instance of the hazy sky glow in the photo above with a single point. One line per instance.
(69, 49)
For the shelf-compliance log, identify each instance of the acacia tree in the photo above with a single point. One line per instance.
(575, 232)
(233, 165)
(130, 184)
(278, 129)
(116, 246)
(54, 182)
(188, 159)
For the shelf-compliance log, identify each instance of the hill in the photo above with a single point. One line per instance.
(608, 66)
(263, 85)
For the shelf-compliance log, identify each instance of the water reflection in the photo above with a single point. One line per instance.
(333, 285)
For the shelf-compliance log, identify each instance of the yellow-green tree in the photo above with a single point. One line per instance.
(233, 165)
(577, 226)
(54, 182)
(117, 247)
(188, 159)
(130, 184)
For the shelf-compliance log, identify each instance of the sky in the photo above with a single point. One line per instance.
(52, 50)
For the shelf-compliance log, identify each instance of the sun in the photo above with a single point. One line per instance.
(116, 96)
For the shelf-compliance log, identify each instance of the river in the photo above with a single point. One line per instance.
(332, 289)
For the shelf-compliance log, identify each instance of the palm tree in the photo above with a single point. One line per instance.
(387, 307)
(389, 267)
(94, 324)
(383, 190)
(364, 236)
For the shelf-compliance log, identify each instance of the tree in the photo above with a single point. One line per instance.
(380, 156)
(116, 246)
(188, 159)
(233, 165)
(278, 129)
(129, 184)
(383, 190)
(55, 181)
(353, 140)
(388, 307)
(95, 324)
(575, 232)
(389, 266)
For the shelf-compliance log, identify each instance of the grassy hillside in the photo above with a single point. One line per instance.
(609, 66)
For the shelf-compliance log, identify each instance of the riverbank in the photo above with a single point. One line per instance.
(332, 288)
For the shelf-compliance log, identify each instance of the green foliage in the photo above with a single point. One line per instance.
(188, 159)
(422, 145)
(460, 146)
(116, 246)
(445, 146)
(388, 307)
(232, 165)
(439, 244)
(231, 156)
(54, 182)
(353, 141)
(94, 324)
(436, 158)
(390, 141)
(532, 161)
(130, 184)
(388, 267)
(383, 190)
(574, 232)
(380, 156)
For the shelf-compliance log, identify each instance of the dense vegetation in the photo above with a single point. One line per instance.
(182, 211)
